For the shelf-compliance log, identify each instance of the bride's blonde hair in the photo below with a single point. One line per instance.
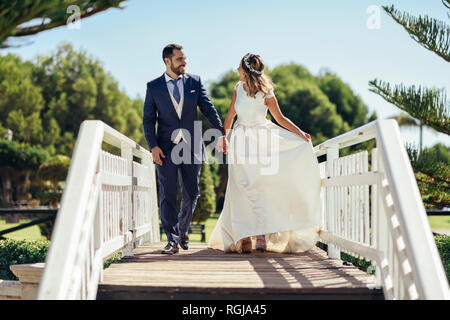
(255, 79)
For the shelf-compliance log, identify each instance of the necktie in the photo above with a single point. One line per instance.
(176, 92)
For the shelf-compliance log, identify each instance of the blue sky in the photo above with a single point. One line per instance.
(216, 34)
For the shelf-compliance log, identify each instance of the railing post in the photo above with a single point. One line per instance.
(332, 154)
(375, 215)
(98, 219)
(127, 153)
(149, 236)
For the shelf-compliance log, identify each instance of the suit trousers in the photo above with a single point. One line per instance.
(188, 173)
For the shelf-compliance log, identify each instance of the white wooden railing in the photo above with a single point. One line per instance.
(378, 213)
(373, 212)
(109, 203)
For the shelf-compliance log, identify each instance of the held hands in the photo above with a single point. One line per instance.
(157, 154)
(222, 145)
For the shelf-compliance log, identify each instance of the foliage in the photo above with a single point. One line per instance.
(350, 106)
(21, 102)
(44, 102)
(443, 245)
(431, 106)
(113, 259)
(54, 169)
(362, 264)
(16, 17)
(30, 251)
(18, 163)
(21, 157)
(432, 172)
(428, 32)
(206, 203)
(20, 252)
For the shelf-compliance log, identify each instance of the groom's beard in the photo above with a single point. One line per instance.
(178, 71)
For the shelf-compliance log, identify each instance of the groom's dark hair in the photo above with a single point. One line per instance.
(168, 50)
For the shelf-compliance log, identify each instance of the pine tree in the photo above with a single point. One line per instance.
(429, 106)
(18, 18)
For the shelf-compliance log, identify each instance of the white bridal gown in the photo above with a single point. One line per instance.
(273, 184)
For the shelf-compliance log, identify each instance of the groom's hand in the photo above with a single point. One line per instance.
(157, 154)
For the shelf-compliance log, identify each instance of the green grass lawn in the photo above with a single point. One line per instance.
(439, 222)
(30, 233)
(33, 232)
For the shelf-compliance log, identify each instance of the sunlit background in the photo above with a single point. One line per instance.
(216, 34)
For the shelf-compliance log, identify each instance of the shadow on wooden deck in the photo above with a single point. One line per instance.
(202, 273)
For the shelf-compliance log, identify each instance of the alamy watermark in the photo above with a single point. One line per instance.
(374, 20)
(247, 145)
(74, 20)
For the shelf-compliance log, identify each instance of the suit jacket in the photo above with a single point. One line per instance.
(158, 108)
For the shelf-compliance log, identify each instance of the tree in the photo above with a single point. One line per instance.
(432, 172)
(432, 34)
(21, 102)
(18, 164)
(429, 106)
(55, 170)
(75, 87)
(44, 102)
(29, 17)
(206, 204)
(350, 106)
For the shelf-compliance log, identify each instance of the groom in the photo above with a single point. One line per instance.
(171, 103)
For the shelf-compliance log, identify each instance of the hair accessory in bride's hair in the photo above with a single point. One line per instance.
(247, 64)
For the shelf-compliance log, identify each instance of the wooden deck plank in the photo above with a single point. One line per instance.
(200, 267)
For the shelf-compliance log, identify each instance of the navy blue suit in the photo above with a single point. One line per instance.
(159, 109)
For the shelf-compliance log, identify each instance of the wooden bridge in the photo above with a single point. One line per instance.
(371, 210)
(204, 274)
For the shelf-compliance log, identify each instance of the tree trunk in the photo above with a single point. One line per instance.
(6, 191)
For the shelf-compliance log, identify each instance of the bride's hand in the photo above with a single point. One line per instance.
(222, 145)
(306, 136)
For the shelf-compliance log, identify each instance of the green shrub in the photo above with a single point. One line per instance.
(206, 204)
(443, 245)
(362, 264)
(113, 259)
(20, 252)
(30, 251)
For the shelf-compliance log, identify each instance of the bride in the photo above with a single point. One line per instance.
(277, 208)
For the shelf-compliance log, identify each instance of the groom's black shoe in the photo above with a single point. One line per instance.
(170, 248)
(184, 241)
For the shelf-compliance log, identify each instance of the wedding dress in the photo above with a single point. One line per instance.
(273, 184)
